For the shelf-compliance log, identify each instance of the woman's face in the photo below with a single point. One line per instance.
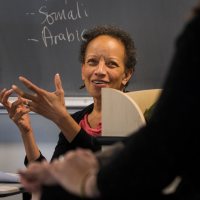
(104, 65)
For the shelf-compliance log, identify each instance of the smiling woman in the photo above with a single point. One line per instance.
(108, 59)
(104, 66)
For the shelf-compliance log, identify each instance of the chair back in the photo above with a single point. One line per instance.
(123, 113)
(120, 113)
(145, 98)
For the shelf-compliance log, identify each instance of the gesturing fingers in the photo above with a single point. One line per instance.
(17, 110)
(38, 91)
(23, 94)
(4, 95)
(58, 82)
(59, 89)
(30, 85)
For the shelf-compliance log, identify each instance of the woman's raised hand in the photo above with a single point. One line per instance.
(48, 104)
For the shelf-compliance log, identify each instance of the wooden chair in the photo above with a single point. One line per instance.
(120, 113)
(145, 98)
(123, 113)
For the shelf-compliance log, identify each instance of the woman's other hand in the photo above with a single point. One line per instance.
(17, 110)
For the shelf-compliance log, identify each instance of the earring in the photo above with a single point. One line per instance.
(125, 86)
(82, 86)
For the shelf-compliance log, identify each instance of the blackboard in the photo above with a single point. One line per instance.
(39, 38)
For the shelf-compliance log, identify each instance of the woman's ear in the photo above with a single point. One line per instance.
(128, 74)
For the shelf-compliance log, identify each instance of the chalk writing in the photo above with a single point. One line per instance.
(32, 13)
(72, 11)
(64, 14)
(50, 39)
(35, 40)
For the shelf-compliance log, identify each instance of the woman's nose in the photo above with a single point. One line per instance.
(101, 68)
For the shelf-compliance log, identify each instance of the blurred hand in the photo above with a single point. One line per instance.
(70, 170)
(36, 175)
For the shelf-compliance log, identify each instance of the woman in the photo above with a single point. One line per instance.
(108, 60)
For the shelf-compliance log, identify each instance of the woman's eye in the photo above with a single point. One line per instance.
(112, 64)
(92, 62)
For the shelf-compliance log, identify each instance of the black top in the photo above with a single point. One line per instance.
(82, 139)
(169, 146)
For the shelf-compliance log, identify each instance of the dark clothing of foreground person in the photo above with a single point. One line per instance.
(169, 146)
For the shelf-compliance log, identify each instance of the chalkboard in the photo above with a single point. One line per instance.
(39, 38)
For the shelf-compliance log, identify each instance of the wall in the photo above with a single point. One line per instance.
(40, 38)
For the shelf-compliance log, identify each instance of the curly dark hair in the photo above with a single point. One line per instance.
(115, 32)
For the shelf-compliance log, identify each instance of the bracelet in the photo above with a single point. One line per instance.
(83, 183)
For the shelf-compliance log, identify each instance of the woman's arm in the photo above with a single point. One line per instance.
(50, 105)
(19, 114)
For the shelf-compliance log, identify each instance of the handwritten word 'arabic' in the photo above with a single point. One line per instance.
(49, 39)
